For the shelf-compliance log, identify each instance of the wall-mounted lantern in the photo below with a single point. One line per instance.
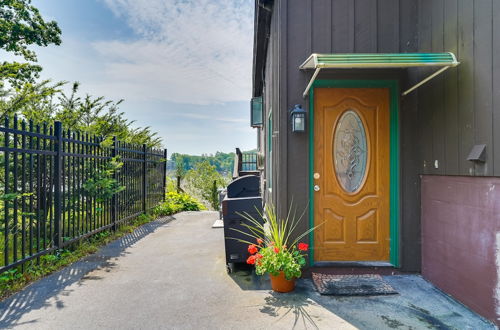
(298, 118)
(256, 111)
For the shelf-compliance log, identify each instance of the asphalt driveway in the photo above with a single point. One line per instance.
(170, 274)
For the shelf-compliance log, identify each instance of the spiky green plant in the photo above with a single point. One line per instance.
(271, 229)
(273, 243)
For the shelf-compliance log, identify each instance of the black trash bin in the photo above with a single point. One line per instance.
(243, 197)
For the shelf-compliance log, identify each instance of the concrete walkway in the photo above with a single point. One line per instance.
(170, 274)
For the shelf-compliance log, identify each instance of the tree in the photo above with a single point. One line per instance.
(46, 102)
(180, 170)
(202, 179)
(21, 26)
(223, 162)
(32, 101)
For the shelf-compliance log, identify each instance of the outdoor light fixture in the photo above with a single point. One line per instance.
(298, 119)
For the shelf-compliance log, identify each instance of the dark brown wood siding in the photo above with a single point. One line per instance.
(458, 108)
(441, 121)
(340, 26)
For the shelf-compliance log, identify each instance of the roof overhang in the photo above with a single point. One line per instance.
(262, 27)
(443, 61)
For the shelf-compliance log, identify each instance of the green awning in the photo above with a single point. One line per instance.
(379, 61)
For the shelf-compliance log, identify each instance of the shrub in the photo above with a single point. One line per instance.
(177, 202)
(203, 181)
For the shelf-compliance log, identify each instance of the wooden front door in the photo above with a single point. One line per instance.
(351, 174)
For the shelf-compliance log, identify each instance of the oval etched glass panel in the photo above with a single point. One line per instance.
(350, 151)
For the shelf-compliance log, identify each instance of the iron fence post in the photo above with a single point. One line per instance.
(57, 183)
(144, 174)
(114, 199)
(165, 175)
(6, 191)
(240, 160)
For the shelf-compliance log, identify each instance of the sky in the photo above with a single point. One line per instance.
(183, 67)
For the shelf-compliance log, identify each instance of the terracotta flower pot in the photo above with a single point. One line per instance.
(281, 284)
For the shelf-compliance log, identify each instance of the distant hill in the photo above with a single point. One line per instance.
(222, 161)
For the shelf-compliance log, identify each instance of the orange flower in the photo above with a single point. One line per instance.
(252, 249)
(276, 249)
(259, 256)
(259, 241)
(251, 260)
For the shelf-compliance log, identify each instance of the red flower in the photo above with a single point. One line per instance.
(303, 246)
(259, 241)
(276, 250)
(252, 249)
(259, 256)
(251, 260)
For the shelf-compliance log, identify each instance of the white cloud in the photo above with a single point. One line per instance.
(220, 119)
(189, 51)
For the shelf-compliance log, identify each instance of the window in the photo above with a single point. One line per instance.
(256, 112)
(350, 151)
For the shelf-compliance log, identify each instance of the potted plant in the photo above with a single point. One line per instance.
(275, 248)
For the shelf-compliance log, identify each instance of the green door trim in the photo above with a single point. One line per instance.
(394, 156)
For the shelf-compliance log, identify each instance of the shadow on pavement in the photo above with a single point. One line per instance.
(418, 305)
(280, 305)
(37, 295)
(244, 276)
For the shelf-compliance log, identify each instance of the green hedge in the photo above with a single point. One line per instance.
(177, 202)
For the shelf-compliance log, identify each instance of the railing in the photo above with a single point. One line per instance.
(244, 163)
(53, 187)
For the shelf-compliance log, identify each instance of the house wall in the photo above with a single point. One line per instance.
(337, 26)
(441, 121)
(461, 240)
(462, 107)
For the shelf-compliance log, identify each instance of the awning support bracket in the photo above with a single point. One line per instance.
(438, 72)
(315, 74)
(379, 61)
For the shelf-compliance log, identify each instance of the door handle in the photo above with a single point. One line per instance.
(316, 187)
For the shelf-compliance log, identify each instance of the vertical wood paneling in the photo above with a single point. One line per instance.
(441, 120)
(425, 141)
(483, 114)
(343, 26)
(409, 154)
(299, 48)
(465, 84)
(437, 87)
(365, 26)
(279, 121)
(322, 26)
(451, 88)
(388, 26)
(496, 87)
(408, 20)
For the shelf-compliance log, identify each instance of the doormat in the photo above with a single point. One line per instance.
(351, 285)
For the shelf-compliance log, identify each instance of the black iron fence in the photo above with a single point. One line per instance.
(58, 187)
